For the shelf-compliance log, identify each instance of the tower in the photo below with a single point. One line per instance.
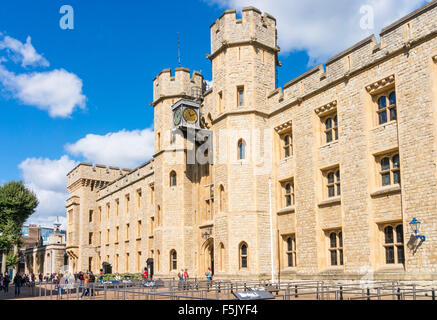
(175, 188)
(244, 59)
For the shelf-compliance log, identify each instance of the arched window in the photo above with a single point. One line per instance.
(158, 215)
(394, 244)
(390, 170)
(173, 260)
(243, 256)
(287, 146)
(331, 129)
(383, 107)
(291, 251)
(336, 248)
(173, 179)
(222, 257)
(334, 187)
(222, 198)
(241, 149)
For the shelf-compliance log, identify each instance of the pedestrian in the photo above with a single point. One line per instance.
(181, 275)
(40, 277)
(6, 281)
(208, 274)
(101, 276)
(146, 274)
(186, 274)
(92, 280)
(1, 282)
(85, 286)
(18, 281)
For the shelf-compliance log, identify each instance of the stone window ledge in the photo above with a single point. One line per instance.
(385, 191)
(286, 210)
(329, 144)
(289, 270)
(330, 202)
(331, 269)
(389, 268)
(384, 125)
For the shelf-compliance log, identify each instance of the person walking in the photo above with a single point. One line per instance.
(6, 281)
(40, 277)
(18, 282)
(146, 274)
(91, 283)
(85, 286)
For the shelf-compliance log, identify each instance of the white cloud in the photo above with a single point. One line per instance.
(324, 28)
(59, 92)
(25, 53)
(47, 178)
(126, 149)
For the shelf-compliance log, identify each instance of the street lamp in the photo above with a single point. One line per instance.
(415, 227)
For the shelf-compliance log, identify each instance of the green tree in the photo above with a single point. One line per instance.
(17, 204)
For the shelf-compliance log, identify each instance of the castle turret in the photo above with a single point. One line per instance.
(244, 58)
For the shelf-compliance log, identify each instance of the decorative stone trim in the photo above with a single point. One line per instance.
(326, 108)
(434, 58)
(284, 126)
(380, 85)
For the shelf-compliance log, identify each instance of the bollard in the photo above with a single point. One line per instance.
(379, 293)
(295, 292)
(368, 294)
(245, 287)
(341, 292)
(433, 294)
(399, 296)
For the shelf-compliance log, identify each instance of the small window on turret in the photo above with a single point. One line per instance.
(240, 96)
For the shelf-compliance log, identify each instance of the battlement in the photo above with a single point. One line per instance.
(252, 27)
(126, 179)
(96, 172)
(182, 83)
(411, 30)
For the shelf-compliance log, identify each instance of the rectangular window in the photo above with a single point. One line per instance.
(220, 102)
(139, 198)
(127, 203)
(240, 96)
(286, 145)
(91, 212)
(127, 231)
(290, 250)
(117, 206)
(90, 238)
(394, 243)
(117, 231)
(288, 193)
(108, 207)
(389, 169)
(387, 110)
(332, 182)
(139, 229)
(335, 239)
(330, 126)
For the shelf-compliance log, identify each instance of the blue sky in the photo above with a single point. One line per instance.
(110, 59)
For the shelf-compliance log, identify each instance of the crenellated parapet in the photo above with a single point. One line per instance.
(253, 27)
(400, 37)
(182, 84)
(97, 175)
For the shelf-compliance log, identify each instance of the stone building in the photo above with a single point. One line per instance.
(45, 256)
(318, 179)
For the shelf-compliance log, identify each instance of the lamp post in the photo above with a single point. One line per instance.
(415, 228)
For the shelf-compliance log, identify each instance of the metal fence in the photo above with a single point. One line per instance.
(170, 289)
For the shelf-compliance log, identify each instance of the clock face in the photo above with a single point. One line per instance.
(190, 115)
(177, 116)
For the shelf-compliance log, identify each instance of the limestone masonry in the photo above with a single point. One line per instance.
(341, 159)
